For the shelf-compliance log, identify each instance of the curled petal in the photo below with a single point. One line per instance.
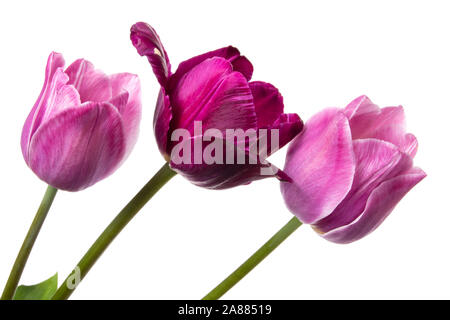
(92, 84)
(147, 42)
(79, 146)
(376, 161)
(55, 61)
(380, 204)
(321, 163)
(238, 62)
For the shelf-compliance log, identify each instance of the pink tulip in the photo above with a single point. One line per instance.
(83, 125)
(350, 168)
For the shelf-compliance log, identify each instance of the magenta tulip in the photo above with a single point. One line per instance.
(213, 89)
(350, 168)
(83, 125)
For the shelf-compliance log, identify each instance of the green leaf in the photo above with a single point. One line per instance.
(41, 291)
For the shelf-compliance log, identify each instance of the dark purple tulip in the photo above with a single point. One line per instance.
(213, 88)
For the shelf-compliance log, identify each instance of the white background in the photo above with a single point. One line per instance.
(186, 240)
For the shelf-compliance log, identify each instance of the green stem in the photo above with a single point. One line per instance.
(28, 243)
(111, 232)
(254, 260)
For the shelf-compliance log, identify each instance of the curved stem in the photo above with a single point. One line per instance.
(30, 239)
(111, 232)
(254, 260)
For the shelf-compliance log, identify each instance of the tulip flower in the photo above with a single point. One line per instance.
(350, 168)
(215, 89)
(83, 125)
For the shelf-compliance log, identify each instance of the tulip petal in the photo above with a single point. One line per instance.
(212, 93)
(380, 204)
(269, 112)
(161, 122)
(376, 161)
(58, 98)
(147, 42)
(127, 85)
(268, 103)
(130, 83)
(79, 146)
(54, 61)
(321, 163)
(92, 84)
(359, 106)
(120, 101)
(289, 125)
(410, 145)
(224, 174)
(243, 65)
(385, 124)
(66, 96)
(231, 105)
(367, 120)
(238, 62)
